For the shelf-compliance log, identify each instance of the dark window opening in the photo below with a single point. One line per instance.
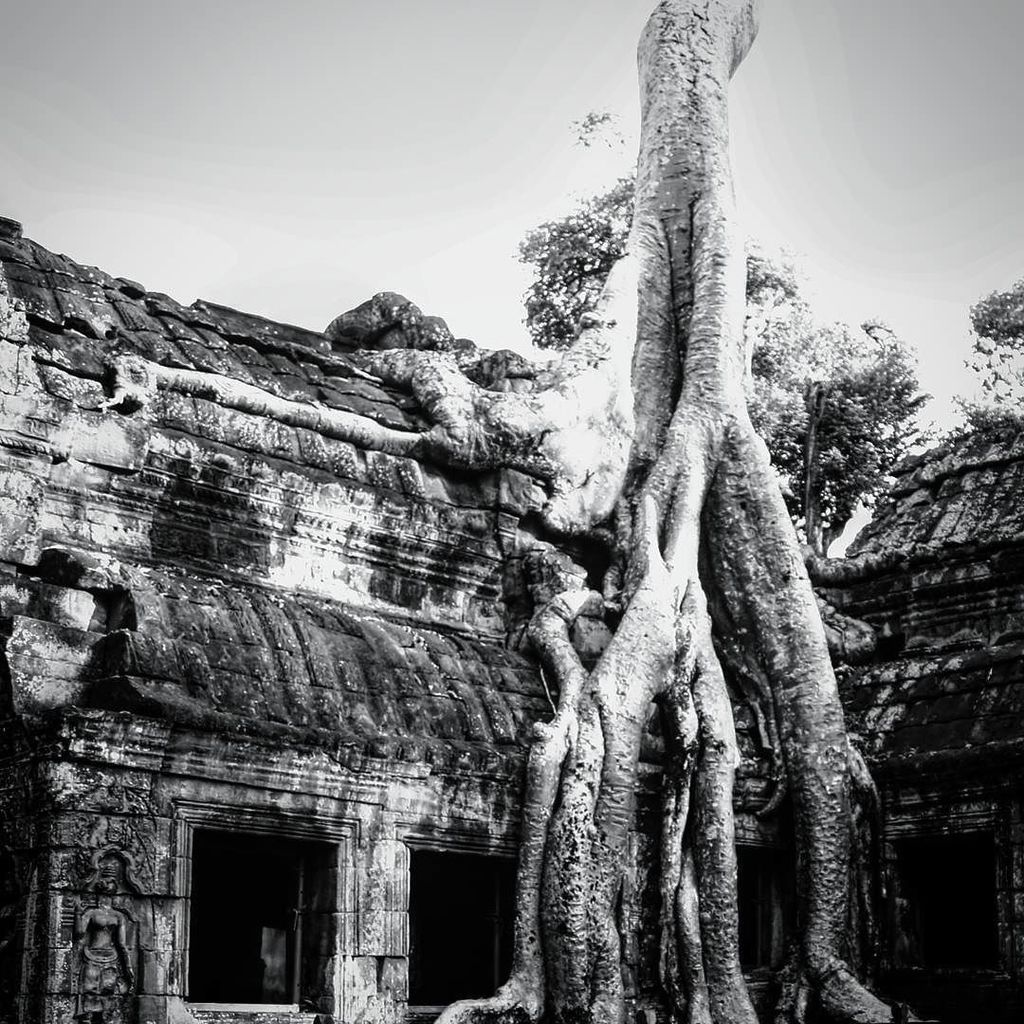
(460, 924)
(764, 894)
(945, 908)
(257, 905)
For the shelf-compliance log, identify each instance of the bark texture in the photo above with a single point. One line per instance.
(642, 427)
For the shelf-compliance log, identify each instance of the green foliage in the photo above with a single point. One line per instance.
(871, 397)
(868, 377)
(598, 126)
(984, 421)
(571, 258)
(998, 361)
(998, 319)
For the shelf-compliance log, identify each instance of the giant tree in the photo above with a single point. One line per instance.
(641, 437)
(644, 422)
(835, 406)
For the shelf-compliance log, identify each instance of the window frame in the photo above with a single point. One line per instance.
(341, 835)
(452, 841)
(780, 908)
(931, 815)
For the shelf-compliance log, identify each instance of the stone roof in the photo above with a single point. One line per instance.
(956, 708)
(252, 661)
(954, 496)
(81, 314)
(229, 571)
(939, 573)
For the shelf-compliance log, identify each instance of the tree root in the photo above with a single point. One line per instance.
(135, 380)
(715, 845)
(745, 669)
(681, 965)
(751, 545)
(699, 471)
(573, 427)
(866, 894)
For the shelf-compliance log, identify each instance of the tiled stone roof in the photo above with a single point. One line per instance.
(954, 496)
(939, 573)
(942, 562)
(82, 314)
(957, 707)
(253, 661)
(227, 571)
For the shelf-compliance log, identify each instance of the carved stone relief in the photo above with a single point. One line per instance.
(106, 941)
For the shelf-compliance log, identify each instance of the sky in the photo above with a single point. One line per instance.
(292, 159)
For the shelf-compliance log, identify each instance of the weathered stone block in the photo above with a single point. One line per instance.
(161, 972)
(393, 978)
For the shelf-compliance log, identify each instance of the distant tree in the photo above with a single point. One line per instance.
(998, 361)
(835, 406)
(571, 258)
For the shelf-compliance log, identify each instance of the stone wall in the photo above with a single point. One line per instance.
(939, 712)
(137, 791)
(211, 620)
(214, 620)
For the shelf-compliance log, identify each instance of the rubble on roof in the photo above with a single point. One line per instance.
(82, 315)
(213, 567)
(950, 497)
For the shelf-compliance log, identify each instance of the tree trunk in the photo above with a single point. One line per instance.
(646, 416)
(814, 402)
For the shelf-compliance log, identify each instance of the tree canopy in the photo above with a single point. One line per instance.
(855, 391)
(997, 359)
(571, 258)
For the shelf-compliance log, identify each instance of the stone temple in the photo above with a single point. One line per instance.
(264, 704)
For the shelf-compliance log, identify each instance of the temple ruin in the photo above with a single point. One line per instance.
(265, 698)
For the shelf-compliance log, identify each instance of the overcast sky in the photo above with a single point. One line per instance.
(294, 158)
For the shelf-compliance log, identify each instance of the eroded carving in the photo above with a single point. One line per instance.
(105, 937)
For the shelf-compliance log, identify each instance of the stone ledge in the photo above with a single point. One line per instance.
(208, 1013)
